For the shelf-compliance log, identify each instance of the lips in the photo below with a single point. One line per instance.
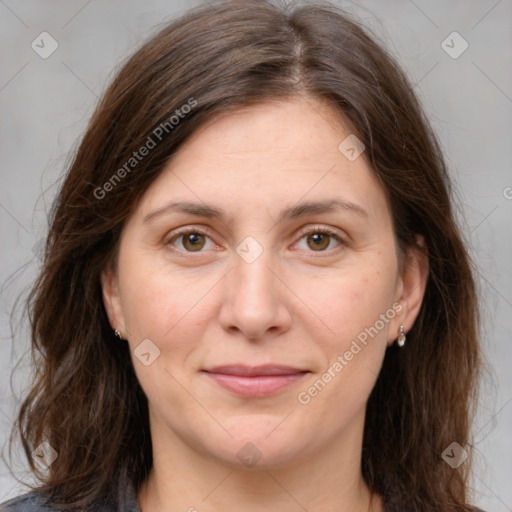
(255, 381)
(252, 371)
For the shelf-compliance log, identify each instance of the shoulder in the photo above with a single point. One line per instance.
(30, 502)
(401, 508)
(37, 501)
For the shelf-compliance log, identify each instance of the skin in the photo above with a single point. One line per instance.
(300, 303)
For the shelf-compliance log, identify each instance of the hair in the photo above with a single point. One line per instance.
(85, 398)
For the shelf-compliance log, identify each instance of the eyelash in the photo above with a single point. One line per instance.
(324, 230)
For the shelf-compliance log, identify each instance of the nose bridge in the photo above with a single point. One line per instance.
(253, 301)
(251, 276)
(253, 280)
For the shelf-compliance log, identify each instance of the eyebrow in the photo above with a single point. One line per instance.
(292, 212)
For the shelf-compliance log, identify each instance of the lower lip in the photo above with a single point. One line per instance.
(255, 387)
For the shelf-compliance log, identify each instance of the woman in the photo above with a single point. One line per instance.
(254, 294)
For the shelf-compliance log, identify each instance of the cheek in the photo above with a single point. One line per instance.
(169, 312)
(166, 307)
(358, 307)
(352, 358)
(350, 303)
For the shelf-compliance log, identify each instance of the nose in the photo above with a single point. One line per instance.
(255, 300)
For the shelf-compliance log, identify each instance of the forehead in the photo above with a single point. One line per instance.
(288, 130)
(268, 155)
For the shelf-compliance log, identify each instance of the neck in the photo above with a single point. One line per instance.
(183, 479)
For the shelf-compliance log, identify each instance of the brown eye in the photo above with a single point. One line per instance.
(318, 241)
(193, 241)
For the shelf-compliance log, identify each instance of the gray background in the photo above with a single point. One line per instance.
(45, 105)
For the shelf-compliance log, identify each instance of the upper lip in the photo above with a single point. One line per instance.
(251, 371)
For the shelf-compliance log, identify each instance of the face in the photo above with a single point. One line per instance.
(258, 286)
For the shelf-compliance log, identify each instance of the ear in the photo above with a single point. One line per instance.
(112, 301)
(411, 286)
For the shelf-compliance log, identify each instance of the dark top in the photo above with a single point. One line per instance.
(34, 502)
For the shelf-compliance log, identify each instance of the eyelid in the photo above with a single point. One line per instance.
(320, 229)
(203, 230)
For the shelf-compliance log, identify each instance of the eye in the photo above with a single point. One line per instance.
(320, 238)
(190, 240)
(196, 240)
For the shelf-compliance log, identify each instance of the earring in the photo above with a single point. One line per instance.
(117, 333)
(401, 337)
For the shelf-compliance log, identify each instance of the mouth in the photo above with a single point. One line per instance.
(255, 381)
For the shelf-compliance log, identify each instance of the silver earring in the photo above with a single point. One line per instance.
(401, 337)
(117, 333)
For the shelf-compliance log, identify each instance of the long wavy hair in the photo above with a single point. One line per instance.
(85, 399)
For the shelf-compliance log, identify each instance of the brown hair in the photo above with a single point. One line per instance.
(85, 398)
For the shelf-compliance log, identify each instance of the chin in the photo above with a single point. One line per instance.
(257, 449)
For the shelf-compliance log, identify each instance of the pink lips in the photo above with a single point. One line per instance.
(255, 381)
